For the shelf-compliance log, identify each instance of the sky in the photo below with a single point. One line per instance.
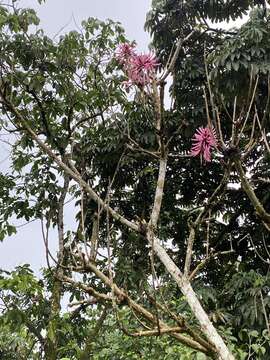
(58, 17)
(68, 14)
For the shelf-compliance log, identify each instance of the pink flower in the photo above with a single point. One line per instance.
(124, 52)
(204, 140)
(141, 68)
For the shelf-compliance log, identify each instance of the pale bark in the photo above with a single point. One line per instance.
(190, 243)
(171, 63)
(94, 237)
(68, 169)
(60, 219)
(184, 285)
(206, 326)
(159, 193)
(182, 280)
(121, 295)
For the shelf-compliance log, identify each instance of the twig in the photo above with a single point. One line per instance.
(209, 122)
(249, 109)
(262, 214)
(45, 240)
(154, 277)
(208, 234)
(263, 135)
(142, 150)
(183, 123)
(251, 139)
(60, 218)
(209, 88)
(171, 65)
(265, 246)
(87, 289)
(123, 296)
(159, 331)
(70, 170)
(204, 261)
(181, 321)
(267, 261)
(194, 225)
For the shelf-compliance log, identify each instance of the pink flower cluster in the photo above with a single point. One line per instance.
(204, 140)
(140, 68)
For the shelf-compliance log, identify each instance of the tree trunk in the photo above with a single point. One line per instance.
(51, 344)
(183, 283)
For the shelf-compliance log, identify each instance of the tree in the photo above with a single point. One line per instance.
(165, 244)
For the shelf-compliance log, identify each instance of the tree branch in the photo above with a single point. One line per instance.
(171, 65)
(184, 285)
(195, 224)
(159, 193)
(262, 214)
(157, 332)
(124, 297)
(70, 170)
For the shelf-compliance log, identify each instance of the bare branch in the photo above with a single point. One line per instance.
(137, 147)
(160, 331)
(261, 212)
(70, 170)
(181, 321)
(210, 92)
(203, 212)
(171, 65)
(205, 261)
(123, 296)
(249, 108)
(184, 285)
(60, 222)
(190, 243)
(263, 135)
(88, 289)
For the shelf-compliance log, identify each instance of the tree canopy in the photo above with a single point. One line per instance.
(165, 156)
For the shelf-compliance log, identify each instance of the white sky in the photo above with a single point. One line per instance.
(27, 245)
(56, 14)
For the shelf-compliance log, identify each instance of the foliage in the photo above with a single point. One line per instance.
(70, 94)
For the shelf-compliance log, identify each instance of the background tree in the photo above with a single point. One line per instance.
(89, 123)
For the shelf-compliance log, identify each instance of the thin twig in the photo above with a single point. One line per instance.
(263, 135)
(261, 212)
(210, 89)
(171, 65)
(204, 262)
(69, 169)
(249, 109)
(195, 224)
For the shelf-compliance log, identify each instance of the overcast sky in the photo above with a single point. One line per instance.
(56, 14)
(61, 16)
